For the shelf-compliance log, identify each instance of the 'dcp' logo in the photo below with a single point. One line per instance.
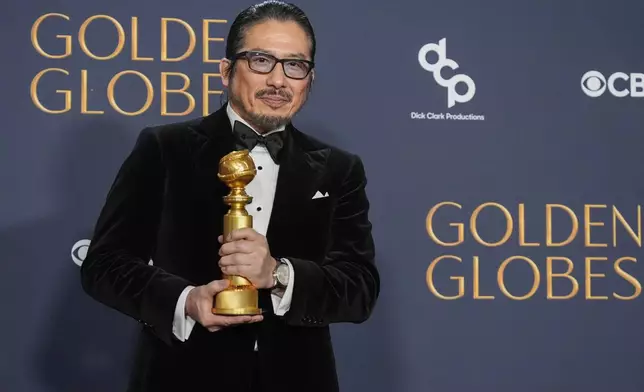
(452, 95)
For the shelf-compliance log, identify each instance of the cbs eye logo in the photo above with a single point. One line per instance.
(619, 84)
(593, 84)
(79, 251)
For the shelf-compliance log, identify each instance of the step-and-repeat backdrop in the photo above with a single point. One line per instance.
(503, 145)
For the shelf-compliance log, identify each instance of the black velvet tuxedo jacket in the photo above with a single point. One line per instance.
(166, 205)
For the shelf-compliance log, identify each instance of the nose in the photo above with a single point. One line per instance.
(277, 78)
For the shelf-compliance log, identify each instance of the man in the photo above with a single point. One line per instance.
(157, 254)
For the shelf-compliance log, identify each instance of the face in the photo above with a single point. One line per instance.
(270, 100)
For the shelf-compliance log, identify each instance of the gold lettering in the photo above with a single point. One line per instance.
(34, 92)
(588, 224)
(430, 279)
(477, 280)
(590, 275)
(637, 237)
(165, 91)
(550, 275)
(508, 226)
(164, 40)
(84, 95)
(207, 39)
(66, 38)
(83, 41)
(573, 218)
(536, 280)
(430, 225)
(522, 228)
(135, 42)
(112, 100)
(629, 278)
(207, 92)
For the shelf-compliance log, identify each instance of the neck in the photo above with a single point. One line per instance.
(268, 126)
(242, 114)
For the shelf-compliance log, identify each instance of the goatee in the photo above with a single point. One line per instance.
(263, 122)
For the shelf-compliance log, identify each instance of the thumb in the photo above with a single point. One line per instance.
(217, 285)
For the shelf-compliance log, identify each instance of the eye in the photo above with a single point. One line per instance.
(297, 64)
(260, 59)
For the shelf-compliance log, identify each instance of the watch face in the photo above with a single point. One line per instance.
(282, 274)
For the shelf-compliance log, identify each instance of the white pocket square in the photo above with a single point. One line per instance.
(319, 195)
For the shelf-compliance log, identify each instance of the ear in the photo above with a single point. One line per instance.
(224, 71)
(312, 80)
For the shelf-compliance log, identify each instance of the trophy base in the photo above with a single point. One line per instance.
(237, 301)
(237, 312)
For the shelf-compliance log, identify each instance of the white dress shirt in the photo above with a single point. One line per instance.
(262, 190)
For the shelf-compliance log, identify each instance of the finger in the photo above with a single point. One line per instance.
(239, 270)
(245, 319)
(217, 285)
(220, 239)
(239, 246)
(236, 259)
(247, 233)
(227, 321)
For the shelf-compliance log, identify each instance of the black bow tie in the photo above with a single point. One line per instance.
(247, 138)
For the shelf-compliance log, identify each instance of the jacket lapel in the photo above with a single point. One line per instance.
(206, 189)
(219, 138)
(302, 165)
(218, 142)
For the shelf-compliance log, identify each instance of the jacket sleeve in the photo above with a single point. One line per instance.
(115, 271)
(344, 287)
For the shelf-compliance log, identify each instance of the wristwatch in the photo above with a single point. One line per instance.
(280, 275)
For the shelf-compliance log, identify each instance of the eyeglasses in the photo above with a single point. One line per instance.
(265, 63)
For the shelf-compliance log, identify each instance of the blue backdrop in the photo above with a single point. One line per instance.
(502, 141)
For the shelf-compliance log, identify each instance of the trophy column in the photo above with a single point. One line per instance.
(237, 170)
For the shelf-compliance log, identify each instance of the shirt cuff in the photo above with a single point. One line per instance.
(182, 324)
(282, 304)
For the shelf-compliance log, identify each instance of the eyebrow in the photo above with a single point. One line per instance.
(288, 55)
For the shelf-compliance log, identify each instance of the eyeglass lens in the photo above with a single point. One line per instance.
(265, 63)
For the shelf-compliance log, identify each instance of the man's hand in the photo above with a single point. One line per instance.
(245, 252)
(199, 306)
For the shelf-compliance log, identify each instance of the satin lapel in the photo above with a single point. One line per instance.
(301, 166)
(219, 141)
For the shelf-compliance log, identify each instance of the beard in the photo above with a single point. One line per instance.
(263, 122)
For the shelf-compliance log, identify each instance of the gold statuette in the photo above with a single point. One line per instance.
(237, 170)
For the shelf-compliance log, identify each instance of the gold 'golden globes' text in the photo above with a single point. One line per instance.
(155, 87)
(586, 271)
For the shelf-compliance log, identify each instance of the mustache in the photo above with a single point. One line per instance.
(273, 92)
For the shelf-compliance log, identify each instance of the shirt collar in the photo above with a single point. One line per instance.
(233, 116)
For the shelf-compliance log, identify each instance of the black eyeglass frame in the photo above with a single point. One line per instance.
(248, 53)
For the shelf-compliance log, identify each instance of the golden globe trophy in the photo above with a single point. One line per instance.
(236, 170)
